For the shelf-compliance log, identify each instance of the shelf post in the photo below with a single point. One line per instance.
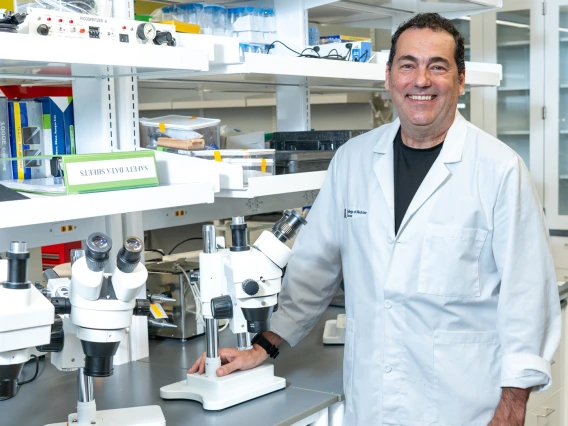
(293, 99)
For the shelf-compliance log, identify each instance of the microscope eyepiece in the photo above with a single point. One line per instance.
(18, 257)
(288, 226)
(130, 254)
(98, 249)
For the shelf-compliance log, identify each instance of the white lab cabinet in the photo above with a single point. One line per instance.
(514, 37)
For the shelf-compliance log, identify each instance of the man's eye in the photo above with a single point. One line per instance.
(438, 68)
(407, 66)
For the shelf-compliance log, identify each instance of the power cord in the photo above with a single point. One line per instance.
(184, 241)
(316, 50)
(33, 358)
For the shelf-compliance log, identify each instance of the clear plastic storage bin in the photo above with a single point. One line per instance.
(179, 132)
(255, 162)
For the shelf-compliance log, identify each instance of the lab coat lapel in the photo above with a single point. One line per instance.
(384, 166)
(439, 173)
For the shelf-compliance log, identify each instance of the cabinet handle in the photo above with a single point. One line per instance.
(549, 411)
(552, 362)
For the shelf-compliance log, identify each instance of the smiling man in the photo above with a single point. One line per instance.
(452, 308)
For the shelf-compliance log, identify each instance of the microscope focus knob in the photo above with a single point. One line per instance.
(250, 287)
(222, 307)
(142, 308)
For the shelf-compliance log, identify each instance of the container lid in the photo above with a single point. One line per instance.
(180, 122)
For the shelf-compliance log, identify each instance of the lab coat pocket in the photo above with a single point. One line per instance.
(450, 261)
(348, 364)
(466, 377)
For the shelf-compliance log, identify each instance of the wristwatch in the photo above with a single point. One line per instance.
(263, 342)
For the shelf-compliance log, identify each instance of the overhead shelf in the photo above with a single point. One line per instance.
(53, 209)
(35, 58)
(262, 70)
(275, 185)
(380, 13)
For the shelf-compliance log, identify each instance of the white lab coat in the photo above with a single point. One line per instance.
(463, 300)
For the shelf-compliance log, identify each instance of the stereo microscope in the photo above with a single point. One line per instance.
(240, 284)
(26, 317)
(94, 319)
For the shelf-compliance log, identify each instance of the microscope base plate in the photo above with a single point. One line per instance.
(150, 415)
(218, 393)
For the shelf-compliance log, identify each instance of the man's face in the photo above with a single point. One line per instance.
(424, 81)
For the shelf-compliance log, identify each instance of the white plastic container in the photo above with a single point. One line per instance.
(255, 162)
(179, 127)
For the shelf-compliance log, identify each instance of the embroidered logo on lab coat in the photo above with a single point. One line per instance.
(347, 213)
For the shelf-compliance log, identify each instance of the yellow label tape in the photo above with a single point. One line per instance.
(217, 156)
(157, 311)
(263, 165)
(162, 127)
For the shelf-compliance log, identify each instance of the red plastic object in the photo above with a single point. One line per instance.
(24, 92)
(57, 254)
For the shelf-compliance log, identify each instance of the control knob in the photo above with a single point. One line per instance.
(163, 37)
(250, 287)
(43, 30)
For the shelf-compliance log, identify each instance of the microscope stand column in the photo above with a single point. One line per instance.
(243, 341)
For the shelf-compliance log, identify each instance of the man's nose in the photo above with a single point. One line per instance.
(422, 77)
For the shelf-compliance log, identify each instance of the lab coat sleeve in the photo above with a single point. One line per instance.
(314, 273)
(528, 318)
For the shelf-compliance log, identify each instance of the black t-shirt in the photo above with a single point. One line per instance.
(411, 166)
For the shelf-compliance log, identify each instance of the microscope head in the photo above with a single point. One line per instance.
(102, 306)
(258, 297)
(25, 318)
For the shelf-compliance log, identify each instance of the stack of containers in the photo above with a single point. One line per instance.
(254, 27)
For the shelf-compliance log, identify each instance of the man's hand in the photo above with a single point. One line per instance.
(511, 408)
(233, 359)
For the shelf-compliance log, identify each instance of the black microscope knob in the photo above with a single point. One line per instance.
(250, 287)
(222, 307)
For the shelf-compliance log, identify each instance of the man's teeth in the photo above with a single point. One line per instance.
(421, 98)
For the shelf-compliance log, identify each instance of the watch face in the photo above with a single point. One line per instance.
(146, 32)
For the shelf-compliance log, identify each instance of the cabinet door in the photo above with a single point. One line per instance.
(556, 123)
(513, 37)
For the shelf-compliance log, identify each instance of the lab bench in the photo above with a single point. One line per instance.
(313, 374)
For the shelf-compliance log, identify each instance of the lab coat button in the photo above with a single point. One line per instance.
(390, 240)
(388, 368)
(388, 304)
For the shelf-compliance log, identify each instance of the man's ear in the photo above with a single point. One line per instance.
(462, 83)
(387, 77)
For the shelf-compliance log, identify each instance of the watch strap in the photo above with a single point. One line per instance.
(263, 342)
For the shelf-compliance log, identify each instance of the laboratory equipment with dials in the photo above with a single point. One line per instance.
(240, 284)
(94, 319)
(26, 317)
(51, 23)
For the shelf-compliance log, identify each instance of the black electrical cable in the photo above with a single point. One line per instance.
(36, 371)
(184, 241)
(157, 251)
(26, 381)
(364, 55)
